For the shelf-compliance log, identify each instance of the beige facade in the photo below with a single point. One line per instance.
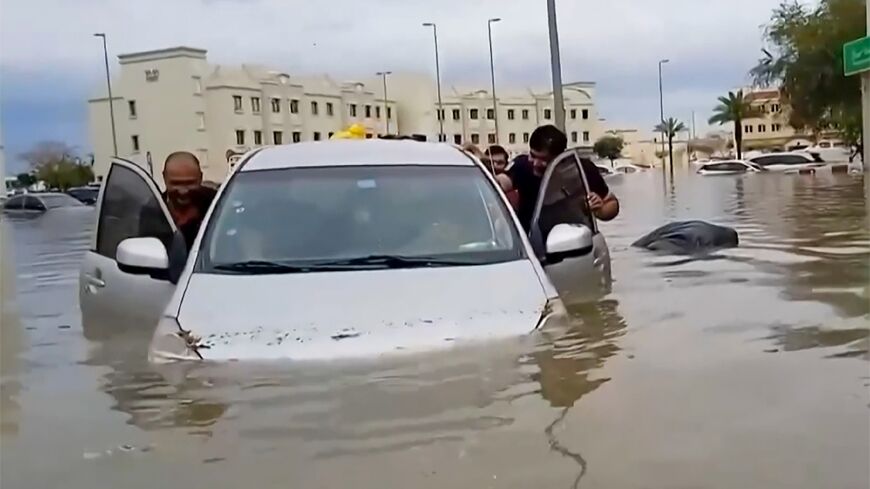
(771, 129)
(173, 99)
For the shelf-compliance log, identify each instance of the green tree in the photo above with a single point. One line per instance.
(804, 57)
(609, 146)
(733, 108)
(670, 127)
(25, 179)
(55, 164)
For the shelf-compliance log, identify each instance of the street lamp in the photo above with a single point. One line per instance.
(492, 73)
(383, 74)
(556, 66)
(109, 85)
(437, 81)
(662, 110)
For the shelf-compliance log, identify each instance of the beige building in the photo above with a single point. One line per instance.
(771, 129)
(173, 99)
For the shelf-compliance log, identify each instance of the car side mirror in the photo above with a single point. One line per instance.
(143, 256)
(568, 240)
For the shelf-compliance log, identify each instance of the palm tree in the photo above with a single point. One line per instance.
(670, 128)
(733, 108)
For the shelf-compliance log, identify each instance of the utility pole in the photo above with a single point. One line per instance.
(492, 74)
(109, 86)
(556, 66)
(441, 115)
(383, 74)
(662, 111)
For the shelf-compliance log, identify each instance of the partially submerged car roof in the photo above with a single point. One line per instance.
(370, 152)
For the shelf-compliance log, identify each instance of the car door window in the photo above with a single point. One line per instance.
(15, 203)
(794, 160)
(130, 209)
(562, 200)
(33, 204)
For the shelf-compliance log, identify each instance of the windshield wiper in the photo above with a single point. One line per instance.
(261, 267)
(394, 261)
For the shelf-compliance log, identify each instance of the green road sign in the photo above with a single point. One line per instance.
(856, 56)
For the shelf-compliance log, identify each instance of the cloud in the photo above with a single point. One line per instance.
(711, 44)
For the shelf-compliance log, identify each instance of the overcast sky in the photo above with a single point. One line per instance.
(50, 63)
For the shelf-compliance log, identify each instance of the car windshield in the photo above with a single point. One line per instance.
(351, 217)
(59, 200)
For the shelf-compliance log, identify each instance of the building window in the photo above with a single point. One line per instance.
(585, 136)
(472, 114)
(276, 105)
(585, 114)
(277, 137)
(490, 138)
(525, 137)
(512, 138)
(369, 135)
(329, 110)
(330, 134)
(548, 114)
(573, 113)
(237, 103)
(475, 138)
(297, 136)
(240, 137)
(197, 85)
(775, 127)
(316, 136)
(573, 136)
(255, 105)
(131, 105)
(314, 108)
(747, 129)
(440, 114)
(510, 114)
(525, 114)
(377, 112)
(368, 111)
(201, 119)
(258, 137)
(389, 112)
(352, 109)
(490, 114)
(152, 75)
(134, 142)
(456, 114)
(774, 108)
(294, 106)
(457, 139)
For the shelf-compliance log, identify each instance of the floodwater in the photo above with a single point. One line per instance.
(745, 369)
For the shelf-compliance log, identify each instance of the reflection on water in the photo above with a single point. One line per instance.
(756, 355)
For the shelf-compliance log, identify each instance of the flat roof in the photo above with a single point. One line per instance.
(348, 152)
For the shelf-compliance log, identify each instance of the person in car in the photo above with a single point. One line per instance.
(496, 159)
(527, 171)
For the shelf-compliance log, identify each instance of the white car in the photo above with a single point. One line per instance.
(728, 167)
(341, 249)
(787, 162)
(831, 151)
(628, 168)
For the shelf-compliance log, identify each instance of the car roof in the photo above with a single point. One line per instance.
(45, 194)
(784, 153)
(719, 162)
(348, 152)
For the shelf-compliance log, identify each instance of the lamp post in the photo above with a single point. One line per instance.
(111, 99)
(492, 74)
(556, 66)
(662, 111)
(441, 114)
(383, 74)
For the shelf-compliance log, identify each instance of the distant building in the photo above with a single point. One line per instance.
(771, 129)
(173, 99)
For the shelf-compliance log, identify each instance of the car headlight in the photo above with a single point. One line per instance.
(171, 343)
(553, 315)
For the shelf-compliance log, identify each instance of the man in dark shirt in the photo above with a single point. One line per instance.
(546, 143)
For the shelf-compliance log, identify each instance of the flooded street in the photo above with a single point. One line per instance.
(748, 368)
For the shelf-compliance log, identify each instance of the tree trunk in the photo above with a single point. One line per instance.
(738, 138)
(671, 152)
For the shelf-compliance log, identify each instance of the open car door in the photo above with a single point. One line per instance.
(129, 206)
(564, 233)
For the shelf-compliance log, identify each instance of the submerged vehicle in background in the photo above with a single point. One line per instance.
(39, 202)
(728, 167)
(390, 248)
(830, 151)
(788, 162)
(86, 195)
(627, 168)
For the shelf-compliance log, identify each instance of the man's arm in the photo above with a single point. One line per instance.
(602, 202)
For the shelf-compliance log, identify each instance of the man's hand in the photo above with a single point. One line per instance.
(595, 202)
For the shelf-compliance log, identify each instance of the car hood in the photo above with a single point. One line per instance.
(345, 314)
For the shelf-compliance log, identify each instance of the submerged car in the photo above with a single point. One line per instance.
(730, 167)
(341, 249)
(788, 162)
(38, 203)
(86, 195)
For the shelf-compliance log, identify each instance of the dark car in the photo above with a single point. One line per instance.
(85, 195)
(39, 203)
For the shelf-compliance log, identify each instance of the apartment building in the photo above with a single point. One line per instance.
(173, 99)
(770, 130)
